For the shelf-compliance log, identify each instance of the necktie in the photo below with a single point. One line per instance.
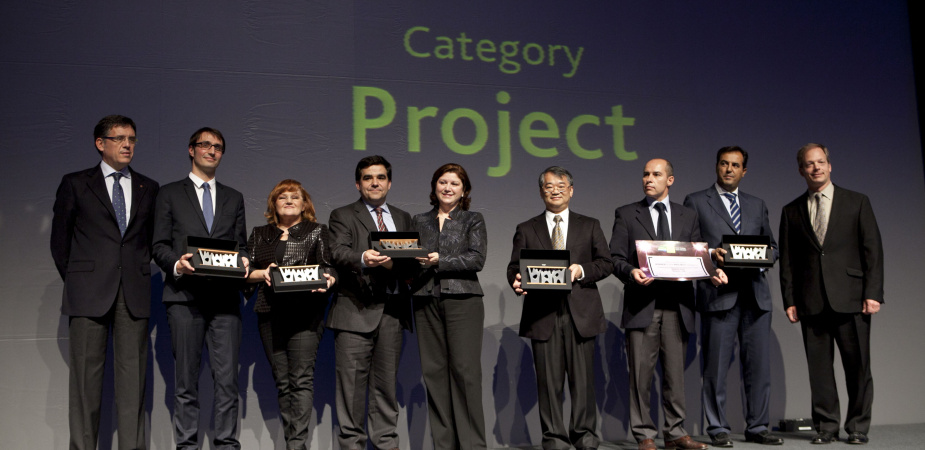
(819, 225)
(379, 222)
(664, 232)
(734, 212)
(207, 212)
(118, 202)
(558, 241)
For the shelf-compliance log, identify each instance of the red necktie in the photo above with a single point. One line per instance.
(379, 220)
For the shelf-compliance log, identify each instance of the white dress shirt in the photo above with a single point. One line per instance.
(125, 182)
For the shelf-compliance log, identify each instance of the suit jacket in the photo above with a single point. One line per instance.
(362, 291)
(178, 215)
(463, 246)
(308, 244)
(845, 270)
(634, 222)
(714, 223)
(92, 257)
(587, 246)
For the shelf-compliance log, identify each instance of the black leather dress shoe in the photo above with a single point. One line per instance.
(857, 438)
(824, 437)
(763, 438)
(721, 440)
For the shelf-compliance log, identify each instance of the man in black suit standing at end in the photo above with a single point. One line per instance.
(372, 306)
(201, 309)
(831, 278)
(658, 315)
(562, 326)
(741, 308)
(101, 243)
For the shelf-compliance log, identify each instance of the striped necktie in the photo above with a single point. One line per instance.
(380, 223)
(734, 212)
(118, 202)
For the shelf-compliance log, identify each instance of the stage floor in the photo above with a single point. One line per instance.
(911, 436)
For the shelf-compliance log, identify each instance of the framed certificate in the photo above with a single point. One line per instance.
(215, 257)
(674, 260)
(545, 270)
(397, 244)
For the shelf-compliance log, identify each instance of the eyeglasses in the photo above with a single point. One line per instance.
(551, 189)
(207, 144)
(121, 139)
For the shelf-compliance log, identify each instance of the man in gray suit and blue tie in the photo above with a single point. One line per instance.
(740, 309)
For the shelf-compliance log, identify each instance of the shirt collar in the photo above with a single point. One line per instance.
(828, 192)
(108, 170)
(651, 202)
(550, 216)
(371, 208)
(721, 191)
(198, 181)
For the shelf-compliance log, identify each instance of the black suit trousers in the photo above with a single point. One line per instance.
(566, 352)
(218, 326)
(851, 332)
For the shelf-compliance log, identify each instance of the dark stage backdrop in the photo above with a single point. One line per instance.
(304, 89)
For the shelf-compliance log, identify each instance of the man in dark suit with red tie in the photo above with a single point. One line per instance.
(562, 326)
(831, 278)
(101, 243)
(658, 315)
(370, 311)
(740, 309)
(201, 309)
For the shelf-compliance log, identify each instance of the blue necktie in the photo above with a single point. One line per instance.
(207, 205)
(664, 230)
(734, 212)
(118, 202)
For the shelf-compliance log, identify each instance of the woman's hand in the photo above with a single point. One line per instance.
(266, 274)
(430, 260)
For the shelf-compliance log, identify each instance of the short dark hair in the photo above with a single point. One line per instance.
(463, 176)
(558, 172)
(669, 168)
(801, 153)
(374, 160)
(733, 149)
(198, 134)
(106, 124)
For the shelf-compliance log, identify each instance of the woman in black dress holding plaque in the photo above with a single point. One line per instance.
(291, 323)
(448, 311)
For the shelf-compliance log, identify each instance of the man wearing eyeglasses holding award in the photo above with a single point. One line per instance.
(101, 244)
(201, 309)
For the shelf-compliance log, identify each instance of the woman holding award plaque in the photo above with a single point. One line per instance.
(291, 255)
(448, 310)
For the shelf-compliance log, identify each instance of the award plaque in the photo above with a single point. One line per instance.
(215, 257)
(675, 261)
(297, 278)
(747, 251)
(397, 244)
(545, 270)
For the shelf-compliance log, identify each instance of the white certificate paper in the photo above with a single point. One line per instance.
(688, 267)
(674, 260)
